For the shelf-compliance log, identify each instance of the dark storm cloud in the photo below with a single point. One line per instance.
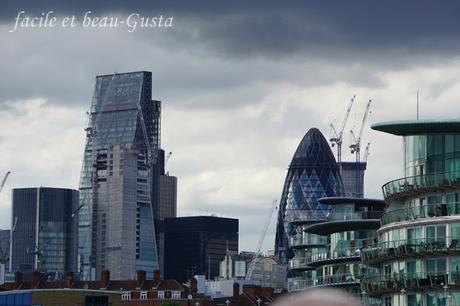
(280, 28)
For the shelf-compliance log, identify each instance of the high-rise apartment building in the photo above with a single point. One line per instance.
(45, 230)
(197, 245)
(418, 249)
(120, 178)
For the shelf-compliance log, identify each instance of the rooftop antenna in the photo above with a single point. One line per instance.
(417, 106)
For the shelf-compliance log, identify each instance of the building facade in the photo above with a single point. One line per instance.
(44, 234)
(335, 261)
(352, 174)
(312, 174)
(119, 178)
(5, 247)
(418, 249)
(197, 245)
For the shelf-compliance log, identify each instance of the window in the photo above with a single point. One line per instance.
(176, 295)
(387, 301)
(161, 295)
(125, 296)
(143, 295)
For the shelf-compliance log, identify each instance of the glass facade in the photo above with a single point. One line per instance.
(45, 231)
(312, 174)
(417, 254)
(117, 183)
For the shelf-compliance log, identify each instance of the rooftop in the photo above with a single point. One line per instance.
(351, 200)
(418, 127)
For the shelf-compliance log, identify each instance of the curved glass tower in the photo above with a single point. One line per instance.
(418, 249)
(312, 174)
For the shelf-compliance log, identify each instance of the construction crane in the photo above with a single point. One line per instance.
(253, 262)
(337, 137)
(4, 180)
(355, 147)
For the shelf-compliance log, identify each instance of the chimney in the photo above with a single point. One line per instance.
(236, 292)
(105, 279)
(17, 279)
(141, 275)
(35, 279)
(69, 279)
(156, 277)
(193, 287)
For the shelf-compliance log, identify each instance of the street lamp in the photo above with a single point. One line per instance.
(227, 302)
(197, 304)
(258, 301)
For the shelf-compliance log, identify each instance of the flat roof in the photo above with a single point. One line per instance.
(417, 127)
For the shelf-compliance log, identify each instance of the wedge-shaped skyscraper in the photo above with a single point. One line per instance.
(116, 227)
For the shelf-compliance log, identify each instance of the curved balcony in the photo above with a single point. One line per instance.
(340, 280)
(307, 216)
(381, 284)
(350, 252)
(420, 212)
(302, 242)
(419, 184)
(422, 247)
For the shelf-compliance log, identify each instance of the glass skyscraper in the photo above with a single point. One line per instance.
(44, 232)
(312, 174)
(117, 183)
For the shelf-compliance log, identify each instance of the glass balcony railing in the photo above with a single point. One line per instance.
(333, 280)
(409, 281)
(329, 215)
(351, 250)
(410, 247)
(313, 240)
(420, 183)
(419, 212)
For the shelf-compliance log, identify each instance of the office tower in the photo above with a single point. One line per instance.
(417, 254)
(352, 174)
(119, 183)
(45, 230)
(312, 174)
(334, 261)
(197, 245)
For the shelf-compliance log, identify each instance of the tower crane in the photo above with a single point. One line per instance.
(167, 158)
(355, 147)
(337, 137)
(4, 180)
(253, 262)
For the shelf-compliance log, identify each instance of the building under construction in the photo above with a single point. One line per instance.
(118, 183)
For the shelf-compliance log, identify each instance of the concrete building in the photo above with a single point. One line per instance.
(45, 230)
(352, 174)
(418, 251)
(197, 245)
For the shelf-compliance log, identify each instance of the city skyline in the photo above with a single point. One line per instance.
(235, 105)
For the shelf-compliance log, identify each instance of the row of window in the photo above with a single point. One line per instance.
(175, 295)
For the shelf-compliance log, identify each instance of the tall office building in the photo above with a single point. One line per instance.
(418, 249)
(197, 245)
(352, 174)
(312, 174)
(44, 231)
(119, 179)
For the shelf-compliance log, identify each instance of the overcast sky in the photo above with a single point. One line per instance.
(241, 83)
